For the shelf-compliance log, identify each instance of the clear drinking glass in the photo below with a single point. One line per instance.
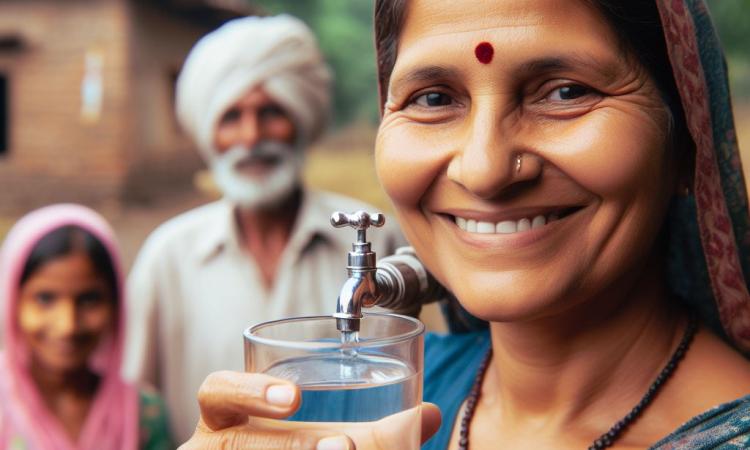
(346, 377)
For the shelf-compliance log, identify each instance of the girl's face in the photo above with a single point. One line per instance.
(477, 84)
(65, 309)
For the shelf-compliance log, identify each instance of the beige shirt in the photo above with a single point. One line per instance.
(193, 290)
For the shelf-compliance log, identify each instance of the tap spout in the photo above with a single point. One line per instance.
(360, 290)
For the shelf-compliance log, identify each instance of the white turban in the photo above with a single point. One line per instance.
(280, 53)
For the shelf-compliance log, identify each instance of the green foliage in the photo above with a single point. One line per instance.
(732, 19)
(344, 30)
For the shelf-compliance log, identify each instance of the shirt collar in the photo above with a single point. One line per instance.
(220, 233)
(313, 222)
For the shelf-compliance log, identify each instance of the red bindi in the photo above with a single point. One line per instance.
(484, 52)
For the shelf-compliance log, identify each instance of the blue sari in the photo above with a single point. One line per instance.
(451, 363)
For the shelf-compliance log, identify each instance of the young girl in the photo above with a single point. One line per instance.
(64, 321)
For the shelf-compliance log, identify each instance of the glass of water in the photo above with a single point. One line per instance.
(345, 377)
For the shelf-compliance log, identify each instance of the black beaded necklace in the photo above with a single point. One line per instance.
(608, 438)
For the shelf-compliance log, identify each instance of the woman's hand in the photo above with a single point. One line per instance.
(237, 412)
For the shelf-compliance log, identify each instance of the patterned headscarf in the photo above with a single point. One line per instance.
(112, 421)
(710, 238)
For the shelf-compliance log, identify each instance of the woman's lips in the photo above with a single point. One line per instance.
(473, 223)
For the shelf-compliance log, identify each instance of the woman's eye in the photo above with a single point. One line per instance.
(91, 298)
(44, 298)
(569, 92)
(433, 99)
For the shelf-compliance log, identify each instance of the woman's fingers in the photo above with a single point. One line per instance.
(400, 430)
(246, 437)
(431, 419)
(227, 398)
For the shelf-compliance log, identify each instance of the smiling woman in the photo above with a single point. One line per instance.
(568, 110)
(568, 170)
(536, 188)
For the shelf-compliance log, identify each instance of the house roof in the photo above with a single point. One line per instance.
(210, 12)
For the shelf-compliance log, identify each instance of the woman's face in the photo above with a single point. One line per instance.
(65, 308)
(580, 213)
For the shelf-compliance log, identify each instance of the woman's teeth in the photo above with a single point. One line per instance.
(504, 227)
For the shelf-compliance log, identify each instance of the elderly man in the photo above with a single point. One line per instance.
(253, 94)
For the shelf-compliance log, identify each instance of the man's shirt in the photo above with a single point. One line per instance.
(193, 290)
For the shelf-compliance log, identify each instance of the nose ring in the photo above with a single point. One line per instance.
(519, 160)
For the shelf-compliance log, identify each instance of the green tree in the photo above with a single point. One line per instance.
(344, 30)
(732, 19)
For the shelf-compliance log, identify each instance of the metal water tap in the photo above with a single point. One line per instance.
(360, 289)
(399, 282)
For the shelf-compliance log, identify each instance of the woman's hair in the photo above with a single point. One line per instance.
(64, 241)
(389, 20)
(636, 23)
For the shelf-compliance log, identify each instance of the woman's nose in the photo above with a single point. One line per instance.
(490, 158)
(65, 320)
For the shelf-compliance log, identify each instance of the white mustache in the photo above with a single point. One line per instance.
(258, 191)
(264, 153)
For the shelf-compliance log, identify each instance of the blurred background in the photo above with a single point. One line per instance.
(87, 91)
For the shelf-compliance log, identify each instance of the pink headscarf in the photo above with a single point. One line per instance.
(112, 422)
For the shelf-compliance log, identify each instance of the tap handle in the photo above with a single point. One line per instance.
(359, 220)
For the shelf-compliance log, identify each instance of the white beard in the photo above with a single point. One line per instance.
(258, 192)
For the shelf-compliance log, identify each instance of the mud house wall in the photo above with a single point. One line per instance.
(162, 156)
(54, 152)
